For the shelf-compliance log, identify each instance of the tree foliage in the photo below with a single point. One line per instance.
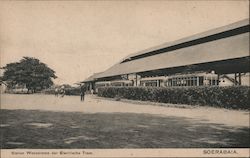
(29, 72)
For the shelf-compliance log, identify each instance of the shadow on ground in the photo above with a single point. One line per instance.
(43, 129)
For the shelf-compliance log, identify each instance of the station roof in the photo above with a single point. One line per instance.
(91, 78)
(220, 44)
(150, 51)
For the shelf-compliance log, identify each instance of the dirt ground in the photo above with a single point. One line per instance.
(93, 104)
(45, 121)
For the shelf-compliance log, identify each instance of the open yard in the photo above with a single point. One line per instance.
(44, 121)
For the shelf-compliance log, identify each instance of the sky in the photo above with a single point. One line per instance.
(79, 38)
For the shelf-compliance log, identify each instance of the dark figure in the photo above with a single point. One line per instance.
(62, 92)
(82, 92)
(56, 92)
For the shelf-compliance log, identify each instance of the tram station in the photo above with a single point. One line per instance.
(217, 57)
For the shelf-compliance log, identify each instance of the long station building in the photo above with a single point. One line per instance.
(218, 57)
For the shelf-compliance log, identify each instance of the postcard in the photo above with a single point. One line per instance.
(124, 78)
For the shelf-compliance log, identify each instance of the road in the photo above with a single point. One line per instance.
(93, 104)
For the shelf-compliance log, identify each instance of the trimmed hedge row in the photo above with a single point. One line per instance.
(68, 91)
(235, 97)
(48, 91)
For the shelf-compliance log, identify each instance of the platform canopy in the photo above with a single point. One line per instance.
(237, 65)
(224, 50)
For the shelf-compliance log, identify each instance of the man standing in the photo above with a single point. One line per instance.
(82, 92)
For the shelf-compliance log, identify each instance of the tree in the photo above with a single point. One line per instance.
(29, 72)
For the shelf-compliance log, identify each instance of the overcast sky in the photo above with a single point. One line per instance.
(79, 38)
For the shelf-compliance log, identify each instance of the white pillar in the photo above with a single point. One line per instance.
(198, 82)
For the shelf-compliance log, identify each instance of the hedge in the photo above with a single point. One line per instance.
(233, 97)
(68, 91)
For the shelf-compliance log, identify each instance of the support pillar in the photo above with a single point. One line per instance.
(218, 79)
(198, 81)
(90, 85)
(158, 83)
(136, 80)
(239, 78)
(235, 78)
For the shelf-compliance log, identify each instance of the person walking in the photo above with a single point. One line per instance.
(56, 92)
(82, 92)
(62, 91)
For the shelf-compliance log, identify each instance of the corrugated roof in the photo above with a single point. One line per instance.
(226, 48)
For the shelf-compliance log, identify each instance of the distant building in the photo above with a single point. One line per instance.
(229, 80)
(218, 57)
(17, 89)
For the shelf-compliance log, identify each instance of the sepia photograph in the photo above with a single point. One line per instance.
(123, 78)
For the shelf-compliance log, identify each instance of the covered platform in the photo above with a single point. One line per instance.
(223, 50)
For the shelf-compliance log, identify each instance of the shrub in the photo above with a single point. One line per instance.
(235, 97)
(72, 91)
(68, 91)
(48, 91)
